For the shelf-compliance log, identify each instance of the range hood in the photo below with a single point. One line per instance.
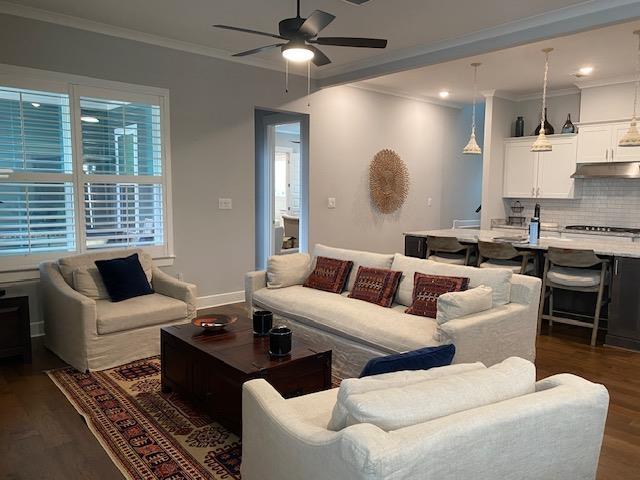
(608, 170)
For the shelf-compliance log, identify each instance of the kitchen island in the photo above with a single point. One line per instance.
(623, 329)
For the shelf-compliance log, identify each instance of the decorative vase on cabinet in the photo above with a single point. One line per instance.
(568, 126)
(520, 127)
(548, 128)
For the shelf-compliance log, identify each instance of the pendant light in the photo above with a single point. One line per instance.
(542, 143)
(472, 147)
(632, 137)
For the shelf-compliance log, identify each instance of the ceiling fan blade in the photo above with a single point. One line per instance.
(258, 50)
(246, 30)
(351, 42)
(319, 59)
(317, 21)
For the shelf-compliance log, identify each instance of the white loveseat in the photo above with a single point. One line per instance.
(95, 333)
(552, 432)
(357, 331)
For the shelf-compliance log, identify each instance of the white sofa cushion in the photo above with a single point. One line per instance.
(287, 270)
(498, 279)
(364, 259)
(68, 264)
(459, 304)
(137, 312)
(88, 282)
(399, 407)
(353, 386)
(386, 329)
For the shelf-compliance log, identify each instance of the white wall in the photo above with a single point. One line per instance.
(498, 117)
(212, 139)
(607, 103)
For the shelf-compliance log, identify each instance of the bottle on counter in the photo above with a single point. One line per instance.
(534, 226)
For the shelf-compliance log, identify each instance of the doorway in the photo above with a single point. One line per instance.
(282, 174)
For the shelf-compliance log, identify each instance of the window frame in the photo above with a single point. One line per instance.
(24, 267)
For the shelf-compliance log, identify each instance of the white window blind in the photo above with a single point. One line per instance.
(36, 201)
(122, 165)
(82, 167)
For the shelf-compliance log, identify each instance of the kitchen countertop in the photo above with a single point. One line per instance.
(601, 246)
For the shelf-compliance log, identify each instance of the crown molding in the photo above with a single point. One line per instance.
(32, 13)
(563, 21)
(560, 92)
(603, 82)
(406, 96)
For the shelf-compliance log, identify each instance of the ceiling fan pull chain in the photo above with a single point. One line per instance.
(308, 84)
(286, 77)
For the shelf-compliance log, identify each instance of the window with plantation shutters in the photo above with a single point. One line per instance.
(82, 167)
(36, 182)
(122, 173)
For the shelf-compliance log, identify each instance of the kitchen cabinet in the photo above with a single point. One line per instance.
(415, 246)
(530, 174)
(599, 143)
(624, 308)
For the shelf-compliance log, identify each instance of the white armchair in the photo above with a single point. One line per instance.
(95, 333)
(554, 433)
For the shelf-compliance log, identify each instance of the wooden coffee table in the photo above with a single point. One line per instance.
(209, 368)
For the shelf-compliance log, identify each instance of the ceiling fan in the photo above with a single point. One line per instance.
(300, 36)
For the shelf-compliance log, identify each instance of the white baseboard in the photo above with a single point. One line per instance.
(220, 299)
(208, 301)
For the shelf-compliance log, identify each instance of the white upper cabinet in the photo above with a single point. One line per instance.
(594, 143)
(599, 143)
(519, 170)
(539, 175)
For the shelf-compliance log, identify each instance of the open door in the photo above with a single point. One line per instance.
(282, 174)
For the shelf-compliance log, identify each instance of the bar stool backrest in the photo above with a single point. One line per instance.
(444, 244)
(569, 257)
(497, 251)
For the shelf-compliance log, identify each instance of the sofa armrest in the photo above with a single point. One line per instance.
(493, 335)
(166, 285)
(70, 317)
(525, 289)
(253, 281)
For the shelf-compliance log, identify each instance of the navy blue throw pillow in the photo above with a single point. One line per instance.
(124, 277)
(422, 359)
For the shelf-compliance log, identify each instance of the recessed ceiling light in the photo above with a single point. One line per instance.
(88, 119)
(586, 70)
(444, 94)
(35, 104)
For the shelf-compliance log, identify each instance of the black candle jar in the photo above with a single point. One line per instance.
(280, 341)
(262, 322)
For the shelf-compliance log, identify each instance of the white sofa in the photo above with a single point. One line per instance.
(553, 433)
(357, 331)
(95, 334)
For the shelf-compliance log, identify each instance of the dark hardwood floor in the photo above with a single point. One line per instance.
(42, 436)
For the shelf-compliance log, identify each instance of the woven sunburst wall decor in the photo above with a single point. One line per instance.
(388, 181)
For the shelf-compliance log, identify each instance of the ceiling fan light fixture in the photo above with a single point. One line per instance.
(297, 53)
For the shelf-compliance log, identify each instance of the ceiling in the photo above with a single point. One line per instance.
(517, 72)
(407, 24)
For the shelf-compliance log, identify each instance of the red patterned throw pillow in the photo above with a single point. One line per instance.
(427, 289)
(376, 285)
(329, 274)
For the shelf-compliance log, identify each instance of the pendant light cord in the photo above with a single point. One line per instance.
(475, 95)
(544, 88)
(635, 96)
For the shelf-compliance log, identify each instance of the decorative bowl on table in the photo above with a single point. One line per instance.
(215, 321)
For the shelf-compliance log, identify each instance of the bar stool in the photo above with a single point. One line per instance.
(569, 269)
(502, 255)
(448, 250)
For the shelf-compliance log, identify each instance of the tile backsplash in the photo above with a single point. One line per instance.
(611, 202)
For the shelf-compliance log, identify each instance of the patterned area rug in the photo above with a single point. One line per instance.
(148, 434)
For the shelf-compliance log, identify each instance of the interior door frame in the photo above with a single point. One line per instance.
(264, 198)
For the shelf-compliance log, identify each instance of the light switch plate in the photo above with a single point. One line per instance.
(225, 204)
(331, 202)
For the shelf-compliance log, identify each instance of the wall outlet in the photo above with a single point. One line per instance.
(429, 202)
(225, 204)
(331, 202)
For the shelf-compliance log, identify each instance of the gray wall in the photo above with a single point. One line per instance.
(557, 109)
(212, 104)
